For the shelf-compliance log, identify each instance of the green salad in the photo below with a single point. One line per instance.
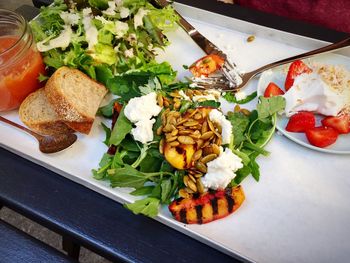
(102, 38)
(153, 148)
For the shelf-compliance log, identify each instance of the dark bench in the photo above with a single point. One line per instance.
(17, 246)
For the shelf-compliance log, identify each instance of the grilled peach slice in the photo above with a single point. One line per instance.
(213, 205)
(180, 156)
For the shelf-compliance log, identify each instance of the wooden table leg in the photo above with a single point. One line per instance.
(71, 247)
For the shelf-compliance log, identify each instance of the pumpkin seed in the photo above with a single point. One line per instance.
(198, 175)
(184, 132)
(174, 144)
(185, 139)
(170, 138)
(204, 127)
(245, 112)
(190, 123)
(211, 126)
(200, 186)
(192, 185)
(160, 100)
(208, 158)
(207, 135)
(188, 190)
(197, 116)
(177, 105)
(184, 194)
(175, 94)
(161, 146)
(186, 179)
(199, 143)
(192, 178)
(237, 108)
(216, 149)
(174, 132)
(250, 38)
(166, 103)
(159, 130)
(197, 155)
(201, 167)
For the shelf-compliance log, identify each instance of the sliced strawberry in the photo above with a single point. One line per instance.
(322, 136)
(301, 121)
(340, 123)
(295, 69)
(272, 90)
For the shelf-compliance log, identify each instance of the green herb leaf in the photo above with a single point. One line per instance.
(166, 190)
(121, 128)
(240, 123)
(145, 190)
(269, 106)
(107, 110)
(230, 97)
(127, 177)
(148, 206)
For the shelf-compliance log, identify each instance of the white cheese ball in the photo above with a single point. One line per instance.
(221, 170)
(219, 118)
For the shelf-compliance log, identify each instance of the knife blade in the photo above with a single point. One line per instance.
(229, 69)
(205, 44)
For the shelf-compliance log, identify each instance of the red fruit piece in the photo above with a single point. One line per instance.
(322, 136)
(340, 123)
(272, 90)
(295, 69)
(301, 121)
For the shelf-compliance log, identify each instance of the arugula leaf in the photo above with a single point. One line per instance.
(104, 164)
(107, 110)
(148, 206)
(121, 128)
(166, 187)
(127, 177)
(240, 123)
(230, 97)
(269, 106)
(145, 190)
(107, 132)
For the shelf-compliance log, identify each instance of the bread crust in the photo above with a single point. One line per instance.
(44, 127)
(75, 119)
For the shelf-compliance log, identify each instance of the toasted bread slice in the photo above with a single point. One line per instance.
(75, 97)
(37, 113)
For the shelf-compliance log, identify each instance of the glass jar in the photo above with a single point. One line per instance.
(20, 62)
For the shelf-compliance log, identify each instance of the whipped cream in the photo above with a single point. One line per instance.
(316, 92)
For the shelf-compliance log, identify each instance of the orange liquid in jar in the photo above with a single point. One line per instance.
(18, 79)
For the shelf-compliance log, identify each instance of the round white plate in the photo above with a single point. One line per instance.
(278, 76)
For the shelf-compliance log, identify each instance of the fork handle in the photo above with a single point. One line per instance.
(335, 46)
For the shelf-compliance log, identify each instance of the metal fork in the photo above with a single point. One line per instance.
(232, 79)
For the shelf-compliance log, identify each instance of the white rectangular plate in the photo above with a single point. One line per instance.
(300, 209)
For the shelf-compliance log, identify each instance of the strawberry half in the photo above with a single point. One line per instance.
(272, 90)
(340, 123)
(295, 69)
(322, 136)
(301, 121)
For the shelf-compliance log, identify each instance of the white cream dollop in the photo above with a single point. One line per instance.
(226, 126)
(221, 170)
(138, 18)
(140, 111)
(311, 93)
(91, 32)
(62, 41)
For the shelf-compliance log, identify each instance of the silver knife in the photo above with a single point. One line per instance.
(229, 69)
